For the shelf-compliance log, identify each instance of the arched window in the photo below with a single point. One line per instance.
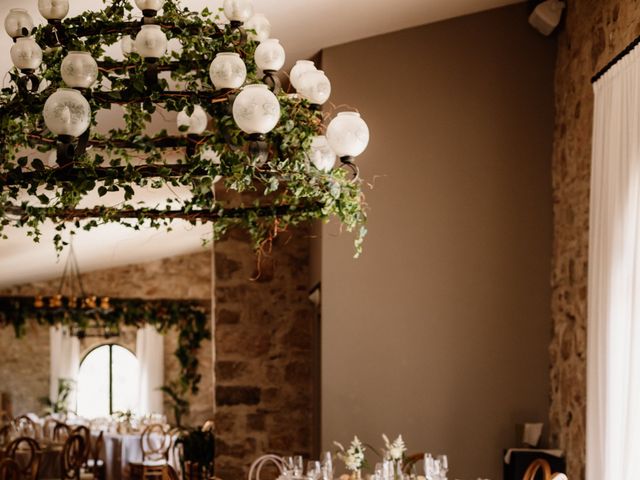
(107, 381)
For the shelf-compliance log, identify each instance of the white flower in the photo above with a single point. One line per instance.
(353, 457)
(394, 451)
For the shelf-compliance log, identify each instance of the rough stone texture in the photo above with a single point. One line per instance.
(264, 361)
(184, 277)
(595, 31)
(27, 381)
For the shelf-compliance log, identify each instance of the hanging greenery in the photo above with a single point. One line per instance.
(189, 318)
(285, 190)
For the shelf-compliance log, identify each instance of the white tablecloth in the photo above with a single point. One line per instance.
(121, 449)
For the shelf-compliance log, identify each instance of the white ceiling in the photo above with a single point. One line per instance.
(304, 27)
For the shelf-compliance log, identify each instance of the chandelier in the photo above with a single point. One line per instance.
(244, 152)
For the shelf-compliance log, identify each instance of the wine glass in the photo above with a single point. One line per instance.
(327, 464)
(444, 465)
(298, 466)
(314, 470)
(429, 467)
(288, 467)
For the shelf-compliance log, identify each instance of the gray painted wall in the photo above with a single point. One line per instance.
(440, 330)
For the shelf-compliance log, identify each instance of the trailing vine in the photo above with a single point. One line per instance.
(190, 318)
(285, 190)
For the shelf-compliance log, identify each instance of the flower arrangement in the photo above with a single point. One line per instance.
(395, 450)
(353, 457)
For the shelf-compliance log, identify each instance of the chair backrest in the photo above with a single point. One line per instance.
(155, 442)
(25, 426)
(48, 427)
(85, 433)
(26, 452)
(540, 463)
(61, 432)
(260, 463)
(9, 469)
(410, 462)
(73, 457)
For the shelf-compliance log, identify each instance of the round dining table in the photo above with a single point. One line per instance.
(121, 449)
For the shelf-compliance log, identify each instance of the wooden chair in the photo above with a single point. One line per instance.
(265, 460)
(85, 433)
(410, 462)
(25, 426)
(9, 469)
(155, 443)
(26, 452)
(48, 427)
(61, 432)
(73, 457)
(536, 465)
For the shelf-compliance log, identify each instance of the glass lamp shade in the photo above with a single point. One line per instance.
(315, 86)
(210, 155)
(149, 4)
(53, 9)
(301, 66)
(261, 25)
(196, 123)
(238, 10)
(256, 109)
(16, 20)
(227, 70)
(348, 134)
(151, 42)
(26, 54)
(79, 70)
(127, 45)
(321, 154)
(67, 112)
(270, 55)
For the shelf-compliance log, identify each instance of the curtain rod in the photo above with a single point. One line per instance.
(615, 60)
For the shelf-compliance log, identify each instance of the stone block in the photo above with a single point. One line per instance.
(237, 395)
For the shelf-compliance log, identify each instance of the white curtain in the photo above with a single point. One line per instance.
(150, 354)
(64, 362)
(613, 358)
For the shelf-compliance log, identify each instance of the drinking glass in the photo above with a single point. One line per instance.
(429, 467)
(327, 464)
(298, 466)
(288, 467)
(444, 465)
(314, 470)
(387, 470)
(379, 471)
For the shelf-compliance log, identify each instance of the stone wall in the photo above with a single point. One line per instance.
(594, 32)
(264, 361)
(183, 277)
(264, 370)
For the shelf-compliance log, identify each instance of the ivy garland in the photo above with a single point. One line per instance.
(190, 318)
(286, 190)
